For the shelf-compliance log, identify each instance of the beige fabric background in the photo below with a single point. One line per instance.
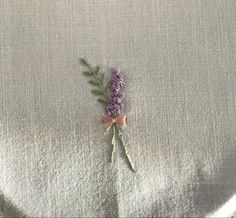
(180, 65)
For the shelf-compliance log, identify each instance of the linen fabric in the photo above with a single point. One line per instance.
(179, 62)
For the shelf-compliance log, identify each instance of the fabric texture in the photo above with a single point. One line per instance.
(180, 68)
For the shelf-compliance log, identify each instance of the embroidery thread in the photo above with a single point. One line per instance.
(110, 96)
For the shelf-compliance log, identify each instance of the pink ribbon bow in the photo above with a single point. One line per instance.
(119, 120)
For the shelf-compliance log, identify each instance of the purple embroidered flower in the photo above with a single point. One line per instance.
(115, 100)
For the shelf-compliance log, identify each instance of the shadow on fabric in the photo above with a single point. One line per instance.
(8, 209)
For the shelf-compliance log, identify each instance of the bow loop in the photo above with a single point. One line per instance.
(119, 120)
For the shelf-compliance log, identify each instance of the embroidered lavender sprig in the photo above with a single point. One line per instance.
(110, 96)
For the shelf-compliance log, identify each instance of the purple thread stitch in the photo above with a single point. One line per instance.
(115, 100)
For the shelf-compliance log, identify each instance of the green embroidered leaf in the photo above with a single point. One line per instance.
(96, 69)
(96, 78)
(97, 92)
(108, 85)
(94, 83)
(102, 77)
(84, 62)
(88, 74)
(103, 102)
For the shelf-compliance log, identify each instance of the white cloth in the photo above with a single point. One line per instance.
(180, 65)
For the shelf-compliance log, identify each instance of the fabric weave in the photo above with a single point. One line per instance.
(180, 70)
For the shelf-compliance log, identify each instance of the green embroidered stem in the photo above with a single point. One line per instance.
(113, 142)
(96, 78)
(125, 149)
